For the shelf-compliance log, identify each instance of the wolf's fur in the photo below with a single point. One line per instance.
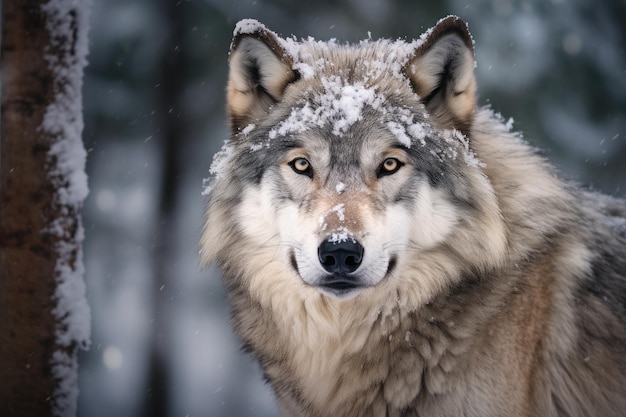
(487, 286)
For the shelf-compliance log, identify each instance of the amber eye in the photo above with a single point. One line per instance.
(389, 166)
(302, 166)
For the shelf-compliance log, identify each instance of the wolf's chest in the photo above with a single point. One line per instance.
(388, 365)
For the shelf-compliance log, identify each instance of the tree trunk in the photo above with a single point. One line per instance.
(44, 318)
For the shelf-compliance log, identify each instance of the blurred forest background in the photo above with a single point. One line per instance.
(154, 116)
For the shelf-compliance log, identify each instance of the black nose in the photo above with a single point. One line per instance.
(340, 257)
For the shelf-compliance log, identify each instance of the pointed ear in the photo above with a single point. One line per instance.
(442, 74)
(260, 69)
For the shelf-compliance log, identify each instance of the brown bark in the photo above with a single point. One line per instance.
(27, 207)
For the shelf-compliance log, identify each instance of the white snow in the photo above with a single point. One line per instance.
(291, 46)
(390, 57)
(67, 24)
(338, 210)
(340, 104)
(248, 129)
(65, 369)
(322, 222)
(400, 131)
(220, 162)
(306, 71)
(248, 27)
(341, 235)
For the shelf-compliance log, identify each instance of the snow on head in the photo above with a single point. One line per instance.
(331, 100)
(390, 57)
(291, 46)
(451, 143)
(219, 165)
(348, 103)
(339, 104)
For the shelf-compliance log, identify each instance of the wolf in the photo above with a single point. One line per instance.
(390, 248)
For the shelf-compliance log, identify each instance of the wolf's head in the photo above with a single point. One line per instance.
(350, 168)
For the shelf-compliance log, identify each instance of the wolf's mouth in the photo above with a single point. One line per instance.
(342, 285)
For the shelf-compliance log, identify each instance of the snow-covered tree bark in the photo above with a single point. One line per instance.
(44, 317)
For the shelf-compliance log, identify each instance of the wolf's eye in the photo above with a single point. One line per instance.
(389, 166)
(302, 166)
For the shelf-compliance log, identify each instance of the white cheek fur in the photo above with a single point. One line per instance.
(287, 231)
(434, 218)
(257, 217)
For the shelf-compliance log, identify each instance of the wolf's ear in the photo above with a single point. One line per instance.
(260, 69)
(442, 73)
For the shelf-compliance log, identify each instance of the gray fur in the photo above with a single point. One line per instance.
(519, 310)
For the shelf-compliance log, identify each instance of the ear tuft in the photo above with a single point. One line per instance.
(442, 73)
(260, 70)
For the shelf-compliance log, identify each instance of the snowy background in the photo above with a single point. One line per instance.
(154, 116)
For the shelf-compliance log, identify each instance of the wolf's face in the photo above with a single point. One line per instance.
(348, 165)
(347, 208)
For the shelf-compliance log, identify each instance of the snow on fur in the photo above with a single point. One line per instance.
(341, 104)
(338, 210)
(67, 24)
(221, 159)
(341, 235)
(248, 27)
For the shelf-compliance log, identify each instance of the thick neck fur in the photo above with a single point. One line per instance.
(402, 359)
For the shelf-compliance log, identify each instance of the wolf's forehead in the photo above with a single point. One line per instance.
(339, 105)
(367, 60)
(340, 82)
